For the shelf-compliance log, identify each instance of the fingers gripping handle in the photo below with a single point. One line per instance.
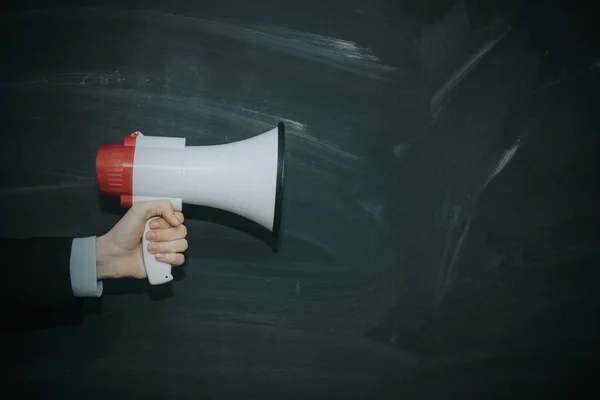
(158, 272)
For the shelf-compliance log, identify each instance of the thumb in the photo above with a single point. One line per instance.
(157, 208)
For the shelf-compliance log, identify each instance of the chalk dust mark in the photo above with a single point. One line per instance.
(339, 53)
(294, 124)
(204, 108)
(310, 240)
(336, 52)
(374, 210)
(400, 150)
(275, 118)
(69, 175)
(455, 255)
(451, 215)
(330, 148)
(332, 48)
(462, 72)
(447, 268)
(90, 78)
(507, 156)
(300, 130)
(36, 189)
(574, 75)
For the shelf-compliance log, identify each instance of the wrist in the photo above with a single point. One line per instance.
(103, 263)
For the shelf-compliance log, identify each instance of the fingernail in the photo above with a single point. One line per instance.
(154, 224)
(160, 256)
(151, 235)
(153, 247)
(175, 218)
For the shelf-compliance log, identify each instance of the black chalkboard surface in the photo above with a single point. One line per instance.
(440, 229)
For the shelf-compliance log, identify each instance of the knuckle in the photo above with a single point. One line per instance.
(140, 210)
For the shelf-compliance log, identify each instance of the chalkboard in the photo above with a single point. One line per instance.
(440, 229)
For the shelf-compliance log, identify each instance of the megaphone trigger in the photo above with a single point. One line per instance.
(158, 272)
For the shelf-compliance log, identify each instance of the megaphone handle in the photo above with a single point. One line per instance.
(158, 272)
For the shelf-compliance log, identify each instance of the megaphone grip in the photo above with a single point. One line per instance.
(158, 272)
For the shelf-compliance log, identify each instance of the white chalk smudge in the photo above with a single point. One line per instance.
(300, 130)
(83, 79)
(330, 148)
(288, 122)
(69, 175)
(452, 218)
(336, 49)
(400, 150)
(507, 156)
(86, 78)
(201, 109)
(462, 72)
(336, 52)
(294, 124)
(455, 255)
(374, 210)
(451, 215)
(37, 189)
(574, 75)
(311, 240)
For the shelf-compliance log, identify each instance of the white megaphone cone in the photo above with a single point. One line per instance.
(243, 177)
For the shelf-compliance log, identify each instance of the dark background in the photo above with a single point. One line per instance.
(441, 224)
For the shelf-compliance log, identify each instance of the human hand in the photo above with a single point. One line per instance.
(119, 252)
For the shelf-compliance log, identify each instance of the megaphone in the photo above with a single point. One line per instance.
(243, 177)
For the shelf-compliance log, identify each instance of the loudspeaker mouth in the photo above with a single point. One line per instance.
(280, 177)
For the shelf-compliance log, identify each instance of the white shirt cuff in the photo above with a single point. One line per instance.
(83, 268)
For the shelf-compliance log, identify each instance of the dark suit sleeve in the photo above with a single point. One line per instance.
(36, 277)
